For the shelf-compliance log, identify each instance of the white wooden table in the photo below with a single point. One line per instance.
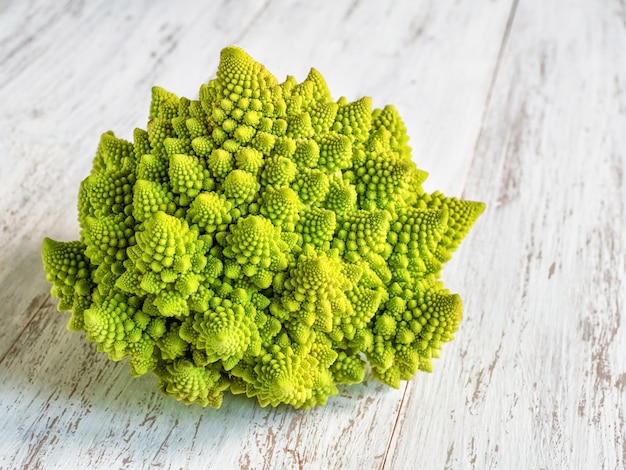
(518, 103)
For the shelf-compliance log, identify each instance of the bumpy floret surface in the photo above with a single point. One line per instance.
(262, 239)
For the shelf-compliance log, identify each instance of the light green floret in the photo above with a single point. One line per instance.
(209, 212)
(348, 369)
(300, 126)
(317, 227)
(106, 239)
(263, 238)
(177, 146)
(314, 292)
(254, 243)
(365, 303)
(153, 168)
(461, 217)
(285, 376)
(312, 185)
(226, 333)
(168, 262)
(363, 232)
(69, 271)
(281, 206)
(341, 197)
(203, 146)
(323, 116)
(412, 330)
(335, 152)
(382, 179)
(112, 327)
(187, 176)
(416, 237)
(306, 154)
(354, 119)
(150, 198)
(159, 129)
(249, 159)
(106, 193)
(141, 356)
(189, 383)
(220, 163)
(240, 187)
(196, 128)
(278, 171)
(113, 154)
(164, 104)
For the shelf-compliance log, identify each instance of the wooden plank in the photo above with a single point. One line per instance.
(536, 377)
(62, 399)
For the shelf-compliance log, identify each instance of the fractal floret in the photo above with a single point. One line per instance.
(262, 239)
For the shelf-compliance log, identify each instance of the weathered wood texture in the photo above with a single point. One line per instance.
(540, 363)
(518, 103)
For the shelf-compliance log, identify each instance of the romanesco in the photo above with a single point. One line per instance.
(263, 239)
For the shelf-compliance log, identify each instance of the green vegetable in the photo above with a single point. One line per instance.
(263, 239)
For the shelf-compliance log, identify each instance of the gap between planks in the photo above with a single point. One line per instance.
(492, 83)
(390, 441)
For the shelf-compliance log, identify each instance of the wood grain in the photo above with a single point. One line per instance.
(540, 363)
(519, 103)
